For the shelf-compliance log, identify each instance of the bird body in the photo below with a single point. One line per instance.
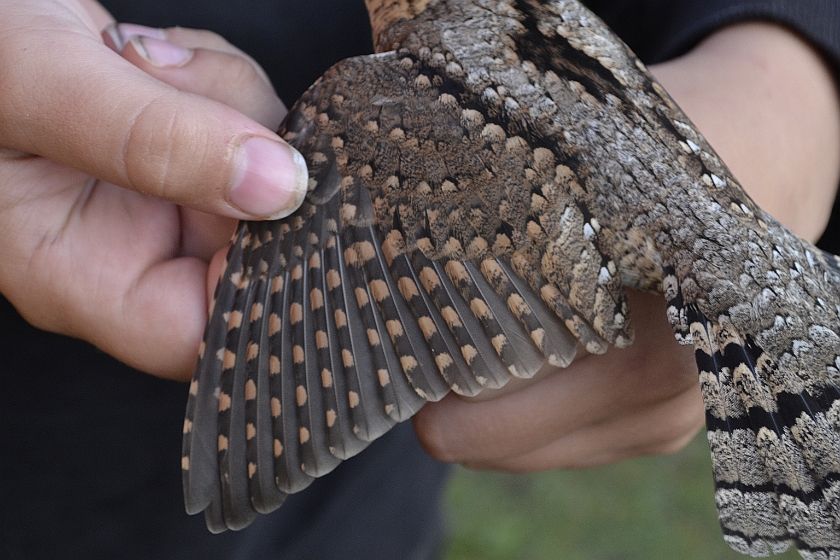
(481, 194)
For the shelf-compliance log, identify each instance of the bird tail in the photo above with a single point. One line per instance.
(772, 428)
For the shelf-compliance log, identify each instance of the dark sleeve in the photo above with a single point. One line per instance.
(658, 30)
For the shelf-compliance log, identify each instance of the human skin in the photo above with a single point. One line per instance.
(122, 260)
(112, 263)
(768, 104)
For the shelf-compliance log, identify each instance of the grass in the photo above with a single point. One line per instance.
(649, 508)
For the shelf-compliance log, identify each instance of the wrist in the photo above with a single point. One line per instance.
(768, 104)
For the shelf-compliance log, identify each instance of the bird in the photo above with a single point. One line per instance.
(482, 191)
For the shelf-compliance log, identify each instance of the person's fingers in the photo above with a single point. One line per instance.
(470, 432)
(108, 274)
(568, 401)
(202, 234)
(516, 384)
(203, 63)
(204, 39)
(592, 391)
(100, 114)
(200, 62)
(166, 292)
(662, 429)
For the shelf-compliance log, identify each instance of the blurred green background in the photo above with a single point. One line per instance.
(650, 508)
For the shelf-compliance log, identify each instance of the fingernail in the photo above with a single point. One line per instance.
(270, 181)
(121, 33)
(160, 53)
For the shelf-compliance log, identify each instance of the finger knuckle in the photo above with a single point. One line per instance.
(680, 434)
(158, 140)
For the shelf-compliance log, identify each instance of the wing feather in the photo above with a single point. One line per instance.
(199, 463)
(475, 346)
(509, 339)
(265, 495)
(548, 333)
(442, 341)
(287, 459)
(338, 376)
(405, 329)
(363, 316)
(236, 504)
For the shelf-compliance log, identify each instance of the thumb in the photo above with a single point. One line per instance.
(75, 101)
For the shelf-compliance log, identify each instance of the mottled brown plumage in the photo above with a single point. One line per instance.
(480, 195)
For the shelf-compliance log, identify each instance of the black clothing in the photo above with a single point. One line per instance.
(90, 463)
(658, 30)
(90, 468)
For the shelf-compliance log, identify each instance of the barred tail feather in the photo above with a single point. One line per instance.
(774, 446)
(747, 502)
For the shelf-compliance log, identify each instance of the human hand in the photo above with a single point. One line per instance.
(641, 400)
(768, 104)
(120, 177)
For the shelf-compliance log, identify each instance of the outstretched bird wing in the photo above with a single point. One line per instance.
(378, 294)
